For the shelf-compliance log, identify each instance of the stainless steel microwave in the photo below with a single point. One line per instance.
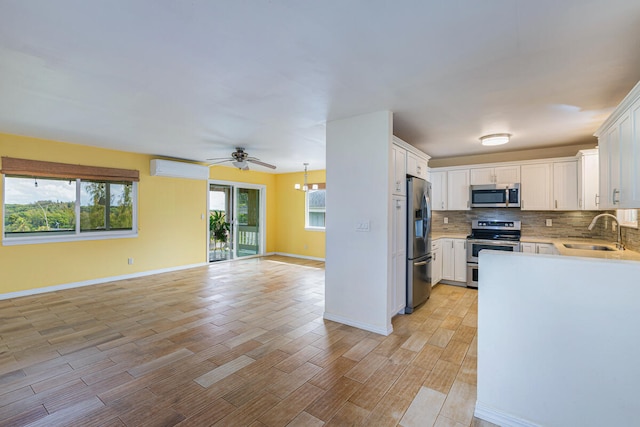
(495, 196)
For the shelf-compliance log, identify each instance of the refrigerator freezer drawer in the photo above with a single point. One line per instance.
(418, 282)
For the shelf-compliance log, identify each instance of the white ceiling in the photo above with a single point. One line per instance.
(192, 79)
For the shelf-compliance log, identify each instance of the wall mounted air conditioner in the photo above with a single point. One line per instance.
(178, 169)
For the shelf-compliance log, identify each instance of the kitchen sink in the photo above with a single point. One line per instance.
(588, 247)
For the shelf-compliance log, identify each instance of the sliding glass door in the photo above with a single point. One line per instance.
(236, 220)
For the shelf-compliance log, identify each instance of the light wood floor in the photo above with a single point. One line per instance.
(232, 344)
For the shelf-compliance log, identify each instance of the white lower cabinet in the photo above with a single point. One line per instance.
(537, 248)
(398, 299)
(436, 263)
(454, 259)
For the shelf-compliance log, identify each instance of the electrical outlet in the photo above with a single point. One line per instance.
(446, 220)
(363, 226)
(549, 223)
(130, 261)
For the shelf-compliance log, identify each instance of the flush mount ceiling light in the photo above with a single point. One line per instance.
(305, 186)
(495, 139)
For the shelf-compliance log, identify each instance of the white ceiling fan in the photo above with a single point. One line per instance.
(241, 160)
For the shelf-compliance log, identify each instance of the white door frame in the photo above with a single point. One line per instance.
(263, 217)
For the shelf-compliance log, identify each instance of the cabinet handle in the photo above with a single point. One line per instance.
(467, 203)
(614, 196)
(434, 255)
(556, 204)
(597, 200)
(443, 204)
(580, 203)
(521, 203)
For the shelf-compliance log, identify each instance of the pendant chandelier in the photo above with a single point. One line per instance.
(305, 186)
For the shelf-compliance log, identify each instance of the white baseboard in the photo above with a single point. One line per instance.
(36, 291)
(500, 418)
(312, 258)
(359, 325)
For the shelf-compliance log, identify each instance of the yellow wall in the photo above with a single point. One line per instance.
(171, 232)
(291, 236)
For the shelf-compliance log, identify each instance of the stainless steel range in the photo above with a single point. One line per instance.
(490, 234)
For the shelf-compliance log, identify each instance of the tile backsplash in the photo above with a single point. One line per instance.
(567, 224)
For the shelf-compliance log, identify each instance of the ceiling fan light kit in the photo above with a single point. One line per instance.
(495, 139)
(241, 160)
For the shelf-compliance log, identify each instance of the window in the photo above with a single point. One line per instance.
(315, 209)
(628, 217)
(38, 210)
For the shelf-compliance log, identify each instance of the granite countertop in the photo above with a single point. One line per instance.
(559, 245)
(436, 236)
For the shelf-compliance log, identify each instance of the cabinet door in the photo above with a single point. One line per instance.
(536, 187)
(565, 185)
(629, 155)
(422, 168)
(460, 267)
(507, 174)
(448, 259)
(436, 253)
(458, 190)
(588, 182)
(412, 165)
(399, 254)
(528, 248)
(399, 171)
(439, 190)
(545, 248)
(482, 176)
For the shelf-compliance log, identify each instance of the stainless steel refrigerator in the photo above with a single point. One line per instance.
(419, 262)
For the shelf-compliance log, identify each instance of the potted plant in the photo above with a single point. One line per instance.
(219, 228)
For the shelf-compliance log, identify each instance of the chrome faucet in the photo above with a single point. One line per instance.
(619, 244)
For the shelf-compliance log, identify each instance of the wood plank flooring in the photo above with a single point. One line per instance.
(232, 344)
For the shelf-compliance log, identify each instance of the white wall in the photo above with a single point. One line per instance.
(357, 263)
(558, 340)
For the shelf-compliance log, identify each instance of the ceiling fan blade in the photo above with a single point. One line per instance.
(258, 162)
(219, 161)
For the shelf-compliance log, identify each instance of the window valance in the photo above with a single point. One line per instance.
(38, 168)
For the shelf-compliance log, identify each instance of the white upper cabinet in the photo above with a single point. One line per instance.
(497, 175)
(565, 185)
(588, 180)
(535, 187)
(458, 190)
(399, 186)
(619, 150)
(416, 166)
(438, 190)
